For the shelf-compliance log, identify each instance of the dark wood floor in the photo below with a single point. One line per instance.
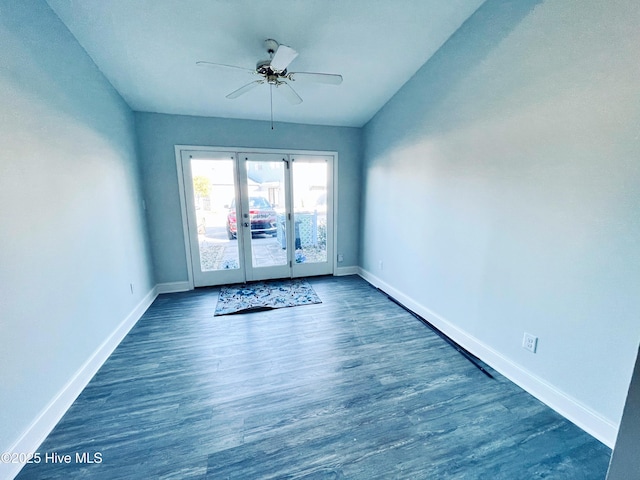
(354, 387)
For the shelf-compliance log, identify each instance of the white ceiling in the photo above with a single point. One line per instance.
(148, 50)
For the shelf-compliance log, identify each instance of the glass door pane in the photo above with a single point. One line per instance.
(312, 214)
(210, 191)
(214, 199)
(310, 211)
(265, 216)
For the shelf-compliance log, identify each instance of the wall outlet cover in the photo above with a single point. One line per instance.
(530, 342)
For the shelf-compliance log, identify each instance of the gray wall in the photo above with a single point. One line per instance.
(72, 228)
(508, 168)
(157, 136)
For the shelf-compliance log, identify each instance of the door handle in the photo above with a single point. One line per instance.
(246, 224)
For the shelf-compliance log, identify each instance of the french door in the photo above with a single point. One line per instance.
(257, 215)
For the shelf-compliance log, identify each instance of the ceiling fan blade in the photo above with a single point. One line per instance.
(245, 89)
(288, 93)
(328, 78)
(283, 57)
(223, 65)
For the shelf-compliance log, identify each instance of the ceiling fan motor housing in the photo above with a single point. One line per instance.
(263, 68)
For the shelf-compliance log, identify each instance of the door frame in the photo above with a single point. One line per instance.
(179, 149)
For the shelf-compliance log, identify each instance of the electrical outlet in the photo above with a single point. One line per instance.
(340, 257)
(530, 342)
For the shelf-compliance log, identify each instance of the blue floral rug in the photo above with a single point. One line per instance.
(265, 295)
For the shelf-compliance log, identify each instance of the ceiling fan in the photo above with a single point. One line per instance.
(274, 73)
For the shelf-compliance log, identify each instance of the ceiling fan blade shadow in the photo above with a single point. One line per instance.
(283, 57)
(223, 65)
(288, 93)
(244, 89)
(326, 78)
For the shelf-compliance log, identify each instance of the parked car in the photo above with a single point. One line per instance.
(261, 214)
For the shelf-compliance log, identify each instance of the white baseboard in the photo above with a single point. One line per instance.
(173, 287)
(341, 271)
(48, 418)
(591, 422)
